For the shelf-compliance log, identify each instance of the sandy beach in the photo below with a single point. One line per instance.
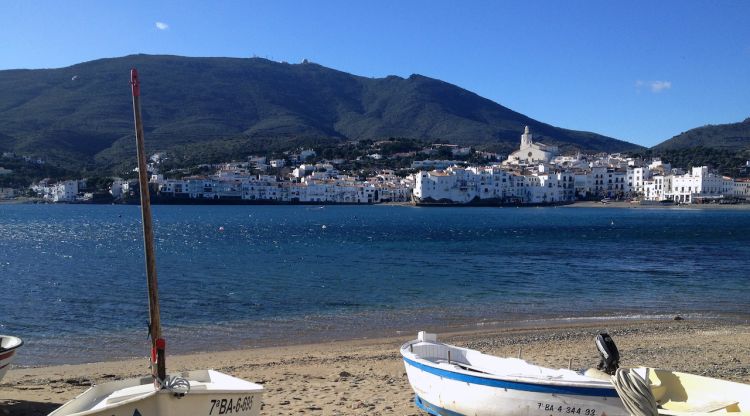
(628, 204)
(367, 376)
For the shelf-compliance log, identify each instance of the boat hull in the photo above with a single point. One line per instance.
(8, 347)
(212, 393)
(445, 393)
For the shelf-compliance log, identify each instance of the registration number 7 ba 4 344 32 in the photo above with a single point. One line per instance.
(567, 410)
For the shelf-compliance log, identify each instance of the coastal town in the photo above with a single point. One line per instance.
(535, 174)
(416, 208)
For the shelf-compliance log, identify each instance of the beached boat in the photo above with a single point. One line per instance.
(209, 393)
(202, 392)
(8, 347)
(454, 381)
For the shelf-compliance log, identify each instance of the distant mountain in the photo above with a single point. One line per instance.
(734, 136)
(81, 116)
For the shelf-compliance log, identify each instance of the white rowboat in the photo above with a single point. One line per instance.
(8, 347)
(454, 381)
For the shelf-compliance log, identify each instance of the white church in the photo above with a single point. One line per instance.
(530, 152)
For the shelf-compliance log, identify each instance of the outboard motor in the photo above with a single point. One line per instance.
(610, 357)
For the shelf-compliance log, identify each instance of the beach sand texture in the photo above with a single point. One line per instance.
(366, 377)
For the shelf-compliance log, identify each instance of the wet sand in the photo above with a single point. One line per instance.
(366, 377)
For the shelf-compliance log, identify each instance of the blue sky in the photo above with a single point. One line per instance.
(640, 71)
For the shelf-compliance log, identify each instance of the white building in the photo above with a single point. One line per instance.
(495, 186)
(637, 177)
(530, 152)
(65, 191)
(278, 163)
(698, 185)
(742, 188)
(117, 188)
(303, 170)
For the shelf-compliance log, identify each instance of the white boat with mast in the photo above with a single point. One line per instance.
(8, 347)
(454, 381)
(201, 392)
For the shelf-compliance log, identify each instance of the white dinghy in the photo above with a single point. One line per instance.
(454, 381)
(202, 392)
(8, 347)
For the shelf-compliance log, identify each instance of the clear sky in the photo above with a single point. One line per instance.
(640, 71)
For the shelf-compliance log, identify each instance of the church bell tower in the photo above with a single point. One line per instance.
(526, 138)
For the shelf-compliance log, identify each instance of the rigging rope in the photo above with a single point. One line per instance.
(177, 385)
(634, 393)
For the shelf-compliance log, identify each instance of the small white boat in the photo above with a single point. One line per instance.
(210, 393)
(8, 347)
(454, 381)
(201, 392)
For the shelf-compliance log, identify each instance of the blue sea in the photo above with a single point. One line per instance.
(73, 282)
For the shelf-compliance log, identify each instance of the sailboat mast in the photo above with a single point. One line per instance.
(158, 364)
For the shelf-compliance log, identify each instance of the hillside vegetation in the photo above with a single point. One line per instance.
(731, 137)
(210, 109)
(724, 147)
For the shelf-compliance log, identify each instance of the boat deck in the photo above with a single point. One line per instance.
(461, 359)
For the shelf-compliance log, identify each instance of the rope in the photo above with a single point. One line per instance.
(177, 385)
(634, 393)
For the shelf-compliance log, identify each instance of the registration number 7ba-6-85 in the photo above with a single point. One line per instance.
(227, 406)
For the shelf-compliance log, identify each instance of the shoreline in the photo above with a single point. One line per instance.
(574, 204)
(182, 343)
(628, 204)
(366, 376)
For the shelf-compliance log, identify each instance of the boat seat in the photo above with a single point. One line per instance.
(469, 367)
(597, 374)
(708, 407)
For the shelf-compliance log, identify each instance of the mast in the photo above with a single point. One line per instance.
(158, 345)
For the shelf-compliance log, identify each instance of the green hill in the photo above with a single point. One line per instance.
(732, 137)
(80, 117)
(724, 147)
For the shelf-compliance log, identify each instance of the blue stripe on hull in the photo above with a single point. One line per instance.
(432, 409)
(515, 385)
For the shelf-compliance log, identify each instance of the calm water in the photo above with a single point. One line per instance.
(73, 279)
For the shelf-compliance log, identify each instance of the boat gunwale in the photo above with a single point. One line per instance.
(13, 348)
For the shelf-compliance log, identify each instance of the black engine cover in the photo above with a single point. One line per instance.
(610, 356)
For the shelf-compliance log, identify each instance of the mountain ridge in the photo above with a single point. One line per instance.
(82, 114)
